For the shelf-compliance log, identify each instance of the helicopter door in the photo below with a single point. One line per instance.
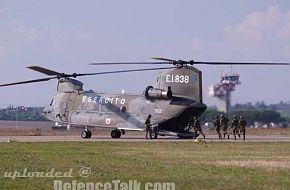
(69, 105)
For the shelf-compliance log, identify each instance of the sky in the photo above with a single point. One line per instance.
(66, 35)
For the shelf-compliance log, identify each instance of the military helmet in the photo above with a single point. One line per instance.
(235, 116)
(241, 117)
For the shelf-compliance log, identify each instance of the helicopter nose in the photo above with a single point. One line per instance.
(46, 111)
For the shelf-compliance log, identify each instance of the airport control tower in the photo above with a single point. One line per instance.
(223, 89)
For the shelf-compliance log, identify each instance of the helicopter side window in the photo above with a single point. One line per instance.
(51, 102)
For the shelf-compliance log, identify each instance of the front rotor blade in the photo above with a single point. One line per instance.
(28, 81)
(44, 70)
(124, 71)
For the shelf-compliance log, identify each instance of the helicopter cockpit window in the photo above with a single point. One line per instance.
(231, 78)
(234, 78)
(79, 87)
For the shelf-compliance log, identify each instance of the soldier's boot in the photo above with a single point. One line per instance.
(235, 136)
(220, 135)
(202, 134)
(239, 135)
(228, 136)
(195, 134)
(244, 136)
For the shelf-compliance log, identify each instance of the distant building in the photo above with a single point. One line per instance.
(283, 108)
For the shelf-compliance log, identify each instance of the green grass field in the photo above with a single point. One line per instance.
(211, 165)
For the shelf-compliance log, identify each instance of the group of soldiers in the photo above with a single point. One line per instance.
(238, 126)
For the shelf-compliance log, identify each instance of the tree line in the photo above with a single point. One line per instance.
(252, 116)
(22, 113)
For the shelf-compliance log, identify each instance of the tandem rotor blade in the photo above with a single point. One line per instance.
(237, 63)
(43, 70)
(163, 59)
(190, 62)
(130, 63)
(63, 75)
(122, 71)
(28, 81)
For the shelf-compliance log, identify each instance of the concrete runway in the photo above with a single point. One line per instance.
(139, 138)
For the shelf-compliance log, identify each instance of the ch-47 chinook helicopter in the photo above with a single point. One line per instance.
(172, 101)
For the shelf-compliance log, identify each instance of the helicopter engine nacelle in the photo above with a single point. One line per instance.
(153, 93)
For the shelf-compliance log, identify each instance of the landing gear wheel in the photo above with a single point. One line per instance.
(86, 134)
(89, 134)
(115, 134)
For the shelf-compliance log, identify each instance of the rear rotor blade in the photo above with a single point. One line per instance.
(28, 81)
(190, 62)
(123, 71)
(238, 63)
(130, 63)
(163, 59)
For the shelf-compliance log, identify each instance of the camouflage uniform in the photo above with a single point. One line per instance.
(197, 128)
(224, 124)
(235, 126)
(242, 127)
(148, 127)
(217, 125)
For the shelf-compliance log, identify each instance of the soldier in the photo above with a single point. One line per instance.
(148, 127)
(235, 126)
(242, 126)
(197, 127)
(224, 125)
(217, 125)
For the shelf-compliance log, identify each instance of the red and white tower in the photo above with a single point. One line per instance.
(223, 89)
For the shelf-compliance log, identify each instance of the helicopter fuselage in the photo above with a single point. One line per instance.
(172, 102)
(121, 111)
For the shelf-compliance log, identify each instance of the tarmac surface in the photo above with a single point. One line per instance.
(139, 138)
